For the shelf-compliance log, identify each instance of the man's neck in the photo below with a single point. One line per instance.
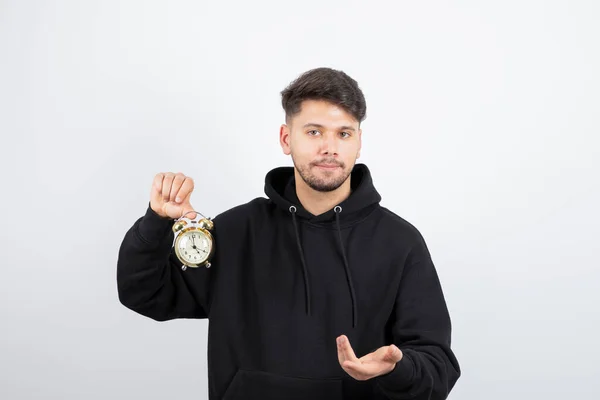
(316, 202)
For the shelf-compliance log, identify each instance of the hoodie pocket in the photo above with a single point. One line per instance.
(269, 386)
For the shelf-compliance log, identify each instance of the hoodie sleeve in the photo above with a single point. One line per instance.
(150, 280)
(422, 330)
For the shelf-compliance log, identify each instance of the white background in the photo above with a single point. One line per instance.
(482, 131)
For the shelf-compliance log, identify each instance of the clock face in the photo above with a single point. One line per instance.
(194, 247)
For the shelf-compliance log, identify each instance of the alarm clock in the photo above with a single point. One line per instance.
(193, 243)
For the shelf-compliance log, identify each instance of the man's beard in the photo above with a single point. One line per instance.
(319, 184)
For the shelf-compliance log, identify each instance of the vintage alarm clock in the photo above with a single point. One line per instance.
(193, 243)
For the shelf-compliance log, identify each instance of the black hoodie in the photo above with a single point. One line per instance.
(285, 283)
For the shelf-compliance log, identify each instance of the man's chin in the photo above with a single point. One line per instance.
(325, 185)
(323, 189)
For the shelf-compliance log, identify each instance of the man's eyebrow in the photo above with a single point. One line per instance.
(342, 128)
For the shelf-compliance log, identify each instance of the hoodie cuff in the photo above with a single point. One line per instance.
(400, 378)
(153, 228)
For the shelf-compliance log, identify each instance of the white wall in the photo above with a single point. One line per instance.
(482, 130)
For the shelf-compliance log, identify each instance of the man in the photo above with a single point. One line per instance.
(317, 292)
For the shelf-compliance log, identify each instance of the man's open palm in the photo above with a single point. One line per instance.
(380, 362)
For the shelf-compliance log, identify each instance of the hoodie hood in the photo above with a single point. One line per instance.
(280, 187)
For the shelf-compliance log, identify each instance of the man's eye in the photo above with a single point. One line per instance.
(346, 134)
(311, 132)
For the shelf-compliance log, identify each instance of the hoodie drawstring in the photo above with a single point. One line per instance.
(304, 271)
(337, 211)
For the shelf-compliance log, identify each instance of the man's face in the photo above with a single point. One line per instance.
(324, 141)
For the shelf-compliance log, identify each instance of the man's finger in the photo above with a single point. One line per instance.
(359, 371)
(166, 186)
(341, 353)
(393, 354)
(367, 358)
(176, 186)
(185, 191)
(345, 348)
(157, 182)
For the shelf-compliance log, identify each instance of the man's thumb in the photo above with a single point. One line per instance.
(394, 354)
(187, 210)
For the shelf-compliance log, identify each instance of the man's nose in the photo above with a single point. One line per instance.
(329, 145)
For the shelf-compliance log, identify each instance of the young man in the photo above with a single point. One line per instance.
(317, 292)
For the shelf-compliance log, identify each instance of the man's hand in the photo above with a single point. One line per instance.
(379, 362)
(170, 195)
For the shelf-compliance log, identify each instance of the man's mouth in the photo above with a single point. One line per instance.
(328, 166)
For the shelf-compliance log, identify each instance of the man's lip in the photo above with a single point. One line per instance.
(328, 165)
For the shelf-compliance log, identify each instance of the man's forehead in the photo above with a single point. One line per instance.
(324, 115)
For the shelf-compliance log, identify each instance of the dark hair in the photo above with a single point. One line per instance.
(326, 84)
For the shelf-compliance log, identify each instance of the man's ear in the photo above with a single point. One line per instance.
(285, 139)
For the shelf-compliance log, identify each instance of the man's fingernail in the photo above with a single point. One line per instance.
(178, 200)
